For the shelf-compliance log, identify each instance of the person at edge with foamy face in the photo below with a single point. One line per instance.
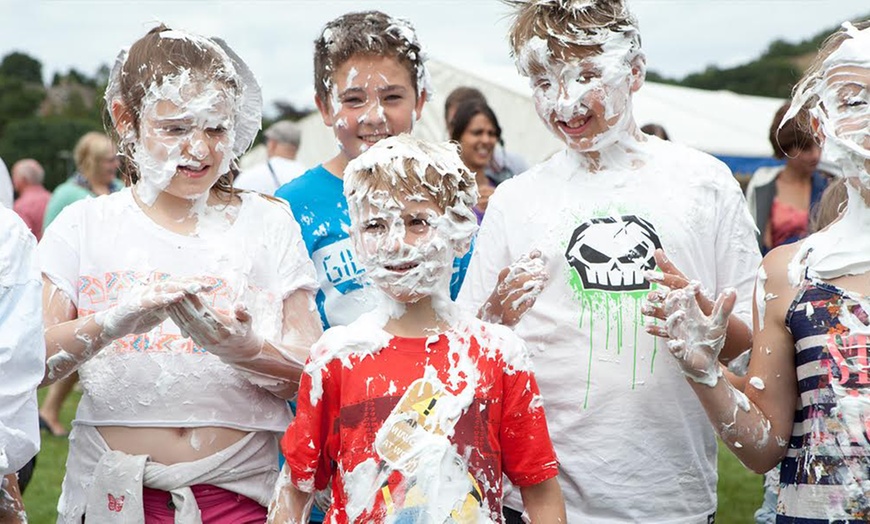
(634, 444)
(414, 411)
(807, 404)
(186, 306)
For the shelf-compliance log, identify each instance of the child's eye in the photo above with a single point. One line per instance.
(373, 226)
(855, 102)
(353, 100)
(175, 130)
(392, 98)
(543, 84)
(418, 225)
(219, 130)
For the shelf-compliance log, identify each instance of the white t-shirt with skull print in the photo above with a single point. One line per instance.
(633, 441)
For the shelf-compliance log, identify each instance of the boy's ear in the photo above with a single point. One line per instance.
(122, 118)
(325, 111)
(421, 101)
(638, 74)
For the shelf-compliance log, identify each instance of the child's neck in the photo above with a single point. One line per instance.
(336, 165)
(418, 320)
(178, 214)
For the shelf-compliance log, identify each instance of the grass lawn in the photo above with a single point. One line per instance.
(739, 488)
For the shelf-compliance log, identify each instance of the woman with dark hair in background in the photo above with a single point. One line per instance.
(475, 127)
(780, 198)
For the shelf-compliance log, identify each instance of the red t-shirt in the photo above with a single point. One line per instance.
(408, 437)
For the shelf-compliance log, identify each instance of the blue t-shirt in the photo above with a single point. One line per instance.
(317, 201)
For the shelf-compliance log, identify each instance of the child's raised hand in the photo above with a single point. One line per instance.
(670, 278)
(696, 339)
(145, 307)
(230, 338)
(516, 291)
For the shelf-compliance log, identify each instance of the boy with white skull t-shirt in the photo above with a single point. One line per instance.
(634, 443)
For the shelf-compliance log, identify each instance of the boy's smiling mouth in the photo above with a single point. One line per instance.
(401, 268)
(373, 138)
(575, 126)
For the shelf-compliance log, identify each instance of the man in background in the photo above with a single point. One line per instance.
(282, 144)
(27, 179)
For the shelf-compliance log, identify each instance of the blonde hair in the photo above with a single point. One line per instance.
(91, 149)
(564, 24)
(405, 165)
(829, 206)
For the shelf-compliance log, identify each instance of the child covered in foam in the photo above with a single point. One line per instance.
(187, 307)
(634, 444)
(807, 405)
(415, 410)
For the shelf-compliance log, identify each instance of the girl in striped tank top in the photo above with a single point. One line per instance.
(806, 406)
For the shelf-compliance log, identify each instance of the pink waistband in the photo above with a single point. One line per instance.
(218, 506)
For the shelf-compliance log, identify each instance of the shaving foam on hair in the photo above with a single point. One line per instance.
(245, 106)
(402, 30)
(843, 118)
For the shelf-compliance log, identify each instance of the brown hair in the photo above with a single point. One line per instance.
(90, 150)
(468, 110)
(152, 59)
(365, 33)
(457, 187)
(560, 22)
(829, 206)
(792, 134)
(460, 95)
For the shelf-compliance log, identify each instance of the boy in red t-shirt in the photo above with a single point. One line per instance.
(416, 410)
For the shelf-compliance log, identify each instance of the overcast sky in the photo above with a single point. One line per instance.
(275, 37)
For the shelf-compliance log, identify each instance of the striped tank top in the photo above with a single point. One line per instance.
(825, 475)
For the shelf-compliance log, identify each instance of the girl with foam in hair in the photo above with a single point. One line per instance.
(185, 306)
(807, 404)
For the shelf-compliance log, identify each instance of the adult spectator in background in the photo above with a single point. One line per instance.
(475, 128)
(655, 130)
(27, 178)
(503, 164)
(22, 353)
(282, 144)
(96, 174)
(780, 198)
(6, 194)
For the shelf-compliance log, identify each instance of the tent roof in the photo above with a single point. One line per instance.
(718, 122)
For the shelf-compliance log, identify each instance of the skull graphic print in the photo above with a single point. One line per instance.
(611, 253)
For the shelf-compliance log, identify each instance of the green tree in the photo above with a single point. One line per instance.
(23, 67)
(48, 140)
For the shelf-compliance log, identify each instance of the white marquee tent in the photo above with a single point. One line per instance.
(721, 123)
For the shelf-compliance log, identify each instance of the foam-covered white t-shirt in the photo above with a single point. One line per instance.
(99, 249)
(22, 344)
(633, 441)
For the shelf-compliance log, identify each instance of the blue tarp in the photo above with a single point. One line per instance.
(747, 165)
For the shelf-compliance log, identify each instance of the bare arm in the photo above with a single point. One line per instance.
(289, 505)
(71, 341)
(544, 502)
(273, 365)
(11, 505)
(756, 426)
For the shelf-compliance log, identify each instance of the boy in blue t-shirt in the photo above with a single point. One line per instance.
(370, 83)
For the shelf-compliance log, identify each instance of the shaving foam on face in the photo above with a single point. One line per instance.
(580, 74)
(199, 102)
(385, 219)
